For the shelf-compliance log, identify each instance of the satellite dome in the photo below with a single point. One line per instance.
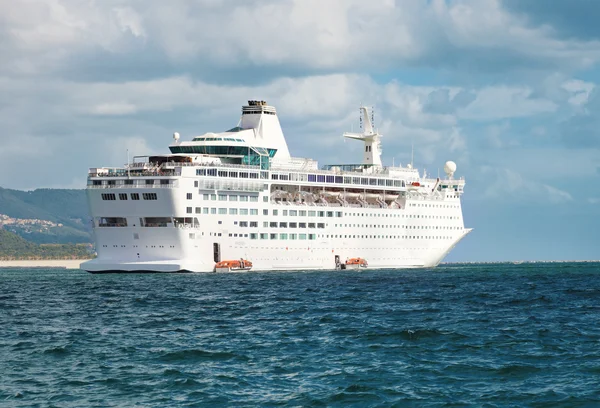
(176, 136)
(450, 168)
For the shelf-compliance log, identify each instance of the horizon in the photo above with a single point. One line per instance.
(507, 89)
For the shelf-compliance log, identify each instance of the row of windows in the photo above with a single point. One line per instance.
(223, 211)
(398, 226)
(432, 205)
(129, 182)
(134, 196)
(216, 139)
(395, 215)
(284, 236)
(293, 224)
(324, 178)
(234, 174)
(300, 177)
(225, 197)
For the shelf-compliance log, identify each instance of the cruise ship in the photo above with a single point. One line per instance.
(239, 195)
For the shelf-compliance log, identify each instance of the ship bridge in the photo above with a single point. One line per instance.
(255, 140)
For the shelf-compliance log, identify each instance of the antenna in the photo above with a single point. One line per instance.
(412, 154)
(360, 120)
(373, 116)
(128, 166)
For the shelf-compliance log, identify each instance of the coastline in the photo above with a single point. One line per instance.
(48, 263)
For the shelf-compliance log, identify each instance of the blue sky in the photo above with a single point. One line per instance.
(505, 88)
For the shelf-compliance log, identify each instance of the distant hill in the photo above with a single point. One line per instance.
(67, 207)
(13, 246)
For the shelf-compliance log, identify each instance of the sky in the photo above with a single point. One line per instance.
(508, 89)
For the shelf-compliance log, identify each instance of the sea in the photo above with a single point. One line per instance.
(490, 335)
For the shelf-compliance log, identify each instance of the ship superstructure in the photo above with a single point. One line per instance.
(240, 195)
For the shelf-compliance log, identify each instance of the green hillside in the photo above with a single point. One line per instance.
(13, 246)
(68, 207)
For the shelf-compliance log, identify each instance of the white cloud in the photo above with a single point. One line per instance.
(508, 185)
(580, 91)
(501, 102)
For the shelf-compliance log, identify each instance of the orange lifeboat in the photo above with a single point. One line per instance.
(415, 184)
(356, 263)
(233, 265)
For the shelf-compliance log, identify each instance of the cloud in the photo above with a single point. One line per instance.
(228, 39)
(572, 19)
(508, 185)
(582, 130)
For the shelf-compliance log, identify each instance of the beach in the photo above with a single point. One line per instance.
(50, 263)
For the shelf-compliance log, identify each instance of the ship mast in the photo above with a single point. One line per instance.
(371, 139)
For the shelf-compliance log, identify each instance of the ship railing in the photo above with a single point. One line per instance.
(107, 186)
(138, 173)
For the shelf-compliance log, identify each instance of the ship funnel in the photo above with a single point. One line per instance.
(263, 119)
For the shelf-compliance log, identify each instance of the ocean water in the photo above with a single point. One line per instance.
(460, 335)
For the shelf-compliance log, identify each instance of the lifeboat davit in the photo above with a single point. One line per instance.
(233, 265)
(356, 263)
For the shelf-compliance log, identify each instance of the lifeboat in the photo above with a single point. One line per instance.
(233, 265)
(415, 184)
(356, 263)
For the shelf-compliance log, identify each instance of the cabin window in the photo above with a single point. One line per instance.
(111, 222)
(135, 196)
(149, 196)
(122, 196)
(108, 197)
